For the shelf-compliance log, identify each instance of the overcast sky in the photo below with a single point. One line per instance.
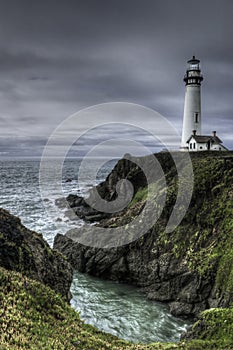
(57, 57)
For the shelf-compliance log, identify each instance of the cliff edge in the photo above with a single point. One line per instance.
(25, 251)
(190, 268)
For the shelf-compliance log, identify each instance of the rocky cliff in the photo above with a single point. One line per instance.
(26, 251)
(190, 268)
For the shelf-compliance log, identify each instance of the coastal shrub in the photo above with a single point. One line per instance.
(215, 324)
(33, 316)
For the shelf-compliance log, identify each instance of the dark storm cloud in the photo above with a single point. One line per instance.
(57, 57)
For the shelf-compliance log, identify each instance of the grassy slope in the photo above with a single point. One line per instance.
(34, 317)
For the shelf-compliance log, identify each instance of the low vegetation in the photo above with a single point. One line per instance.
(34, 317)
(205, 236)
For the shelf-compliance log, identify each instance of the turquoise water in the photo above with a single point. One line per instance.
(123, 311)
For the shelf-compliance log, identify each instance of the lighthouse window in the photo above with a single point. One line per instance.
(196, 117)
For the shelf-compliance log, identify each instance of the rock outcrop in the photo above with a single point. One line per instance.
(25, 251)
(125, 169)
(190, 268)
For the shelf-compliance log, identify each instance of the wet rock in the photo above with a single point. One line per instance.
(130, 264)
(75, 201)
(181, 309)
(27, 252)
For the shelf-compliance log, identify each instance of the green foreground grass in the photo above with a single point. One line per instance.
(32, 316)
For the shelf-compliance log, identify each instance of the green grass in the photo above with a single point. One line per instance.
(141, 195)
(215, 324)
(34, 317)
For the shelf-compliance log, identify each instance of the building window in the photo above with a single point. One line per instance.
(194, 146)
(200, 147)
(190, 146)
(196, 117)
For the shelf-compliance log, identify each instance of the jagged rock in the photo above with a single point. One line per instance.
(75, 201)
(184, 268)
(27, 252)
(127, 264)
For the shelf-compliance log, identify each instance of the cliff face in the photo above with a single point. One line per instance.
(191, 268)
(26, 251)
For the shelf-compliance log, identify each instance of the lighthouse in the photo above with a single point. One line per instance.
(192, 102)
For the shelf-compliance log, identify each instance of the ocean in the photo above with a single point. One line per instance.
(112, 307)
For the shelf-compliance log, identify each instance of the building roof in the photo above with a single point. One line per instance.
(205, 139)
(194, 60)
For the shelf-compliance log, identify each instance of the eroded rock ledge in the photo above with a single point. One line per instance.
(25, 251)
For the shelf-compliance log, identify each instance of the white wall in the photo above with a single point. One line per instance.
(192, 105)
(193, 146)
(204, 146)
(215, 147)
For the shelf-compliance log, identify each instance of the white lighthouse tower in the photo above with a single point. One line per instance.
(192, 103)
